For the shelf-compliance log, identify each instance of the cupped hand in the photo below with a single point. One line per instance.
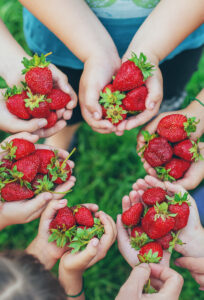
(129, 253)
(98, 72)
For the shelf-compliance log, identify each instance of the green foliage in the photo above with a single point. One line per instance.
(106, 167)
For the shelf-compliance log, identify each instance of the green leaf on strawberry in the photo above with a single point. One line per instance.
(141, 62)
(108, 98)
(163, 174)
(36, 61)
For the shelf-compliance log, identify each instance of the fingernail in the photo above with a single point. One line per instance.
(71, 103)
(48, 196)
(42, 123)
(62, 201)
(151, 105)
(95, 242)
(96, 115)
(201, 288)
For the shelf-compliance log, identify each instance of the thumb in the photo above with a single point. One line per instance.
(30, 126)
(92, 104)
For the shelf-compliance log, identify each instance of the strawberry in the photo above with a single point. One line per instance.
(173, 170)
(154, 195)
(157, 222)
(14, 191)
(15, 102)
(45, 157)
(59, 171)
(158, 152)
(62, 227)
(179, 205)
(59, 99)
(28, 166)
(41, 184)
(150, 253)
(165, 240)
(6, 163)
(132, 73)
(188, 150)
(51, 120)
(18, 148)
(176, 127)
(135, 99)
(114, 113)
(132, 216)
(35, 182)
(83, 216)
(37, 75)
(108, 86)
(138, 238)
(37, 105)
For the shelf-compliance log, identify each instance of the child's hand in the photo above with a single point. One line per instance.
(195, 266)
(193, 234)
(155, 94)
(169, 283)
(98, 72)
(189, 181)
(129, 253)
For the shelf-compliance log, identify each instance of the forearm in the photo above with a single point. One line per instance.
(166, 27)
(72, 284)
(74, 24)
(37, 249)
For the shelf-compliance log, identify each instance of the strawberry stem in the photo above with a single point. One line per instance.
(49, 53)
(64, 162)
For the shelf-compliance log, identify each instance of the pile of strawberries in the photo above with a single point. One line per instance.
(74, 227)
(38, 98)
(156, 222)
(171, 151)
(26, 171)
(128, 92)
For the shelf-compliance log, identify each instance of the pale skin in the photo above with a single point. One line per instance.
(195, 109)
(25, 211)
(99, 55)
(11, 55)
(169, 288)
(71, 266)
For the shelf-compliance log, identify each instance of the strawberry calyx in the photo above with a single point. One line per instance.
(178, 199)
(13, 91)
(35, 61)
(8, 146)
(195, 151)
(43, 185)
(61, 235)
(175, 241)
(139, 240)
(111, 98)
(149, 257)
(162, 211)
(147, 137)
(115, 112)
(163, 174)
(190, 125)
(33, 101)
(141, 62)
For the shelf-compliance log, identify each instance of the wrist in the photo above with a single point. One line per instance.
(72, 281)
(39, 249)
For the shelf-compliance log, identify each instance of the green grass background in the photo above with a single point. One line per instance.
(106, 167)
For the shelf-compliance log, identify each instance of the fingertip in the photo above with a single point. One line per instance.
(150, 105)
(42, 123)
(94, 242)
(96, 116)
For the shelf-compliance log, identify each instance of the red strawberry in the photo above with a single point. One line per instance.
(176, 127)
(114, 113)
(132, 73)
(174, 169)
(41, 184)
(187, 150)
(150, 253)
(135, 99)
(154, 195)
(37, 105)
(179, 205)
(158, 152)
(38, 77)
(108, 86)
(59, 99)
(165, 240)
(45, 157)
(18, 148)
(6, 163)
(59, 172)
(83, 216)
(35, 182)
(15, 102)
(15, 192)
(28, 166)
(51, 120)
(158, 221)
(132, 216)
(63, 220)
(138, 238)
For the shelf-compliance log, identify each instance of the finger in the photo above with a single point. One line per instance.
(154, 182)
(173, 281)
(134, 197)
(142, 272)
(60, 112)
(126, 204)
(119, 133)
(43, 133)
(67, 114)
(30, 126)
(102, 131)
(37, 203)
(198, 278)
(113, 225)
(142, 184)
(155, 90)
(194, 265)
(122, 235)
(108, 238)
(64, 188)
(174, 188)
(122, 126)
(91, 206)
(96, 123)
(33, 138)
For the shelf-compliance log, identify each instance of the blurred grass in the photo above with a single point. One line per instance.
(106, 167)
